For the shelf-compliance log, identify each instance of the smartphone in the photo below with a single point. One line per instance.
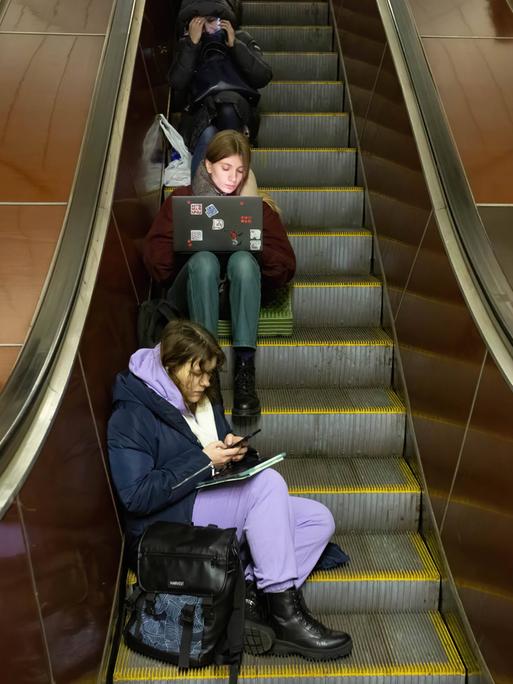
(245, 439)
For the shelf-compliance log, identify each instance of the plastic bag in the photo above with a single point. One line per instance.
(178, 171)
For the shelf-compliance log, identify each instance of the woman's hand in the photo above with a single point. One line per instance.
(241, 450)
(196, 25)
(220, 454)
(230, 32)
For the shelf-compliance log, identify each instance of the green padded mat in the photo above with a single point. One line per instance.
(275, 317)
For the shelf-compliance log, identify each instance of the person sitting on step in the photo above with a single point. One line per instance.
(196, 278)
(215, 75)
(164, 437)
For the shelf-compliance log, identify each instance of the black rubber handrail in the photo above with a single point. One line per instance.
(493, 286)
(27, 381)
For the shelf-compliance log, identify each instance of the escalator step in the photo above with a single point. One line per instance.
(314, 206)
(398, 648)
(313, 13)
(302, 129)
(299, 166)
(314, 357)
(386, 572)
(302, 96)
(311, 66)
(292, 38)
(331, 252)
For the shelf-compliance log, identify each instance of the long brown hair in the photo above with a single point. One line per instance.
(184, 341)
(227, 143)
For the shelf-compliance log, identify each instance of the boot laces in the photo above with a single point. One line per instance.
(244, 377)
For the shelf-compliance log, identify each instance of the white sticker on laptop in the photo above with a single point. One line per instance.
(217, 224)
(255, 245)
(196, 209)
(254, 234)
(211, 210)
(196, 235)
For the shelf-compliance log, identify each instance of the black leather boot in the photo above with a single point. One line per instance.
(245, 400)
(297, 631)
(258, 636)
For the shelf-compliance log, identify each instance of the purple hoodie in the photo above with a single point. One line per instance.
(147, 366)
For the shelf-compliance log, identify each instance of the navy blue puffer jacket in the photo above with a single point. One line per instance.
(155, 459)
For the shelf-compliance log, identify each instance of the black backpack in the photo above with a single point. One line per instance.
(188, 605)
(152, 318)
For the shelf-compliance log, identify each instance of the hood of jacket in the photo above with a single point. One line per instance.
(147, 366)
(224, 9)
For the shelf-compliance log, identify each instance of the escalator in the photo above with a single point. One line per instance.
(326, 391)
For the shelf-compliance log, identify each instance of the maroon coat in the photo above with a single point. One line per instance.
(277, 260)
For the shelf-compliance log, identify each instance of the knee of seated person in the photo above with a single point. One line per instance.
(243, 265)
(272, 480)
(325, 516)
(204, 264)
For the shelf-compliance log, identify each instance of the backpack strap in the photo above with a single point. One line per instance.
(187, 621)
(235, 627)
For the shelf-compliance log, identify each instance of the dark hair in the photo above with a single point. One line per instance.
(183, 341)
(227, 143)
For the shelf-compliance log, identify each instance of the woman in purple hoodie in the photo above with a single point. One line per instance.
(165, 436)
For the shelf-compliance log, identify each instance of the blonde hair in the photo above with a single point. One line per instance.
(226, 144)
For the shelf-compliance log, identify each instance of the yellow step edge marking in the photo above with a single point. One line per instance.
(293, 52)
(310, 82)
(286, 26)
(331, 114)
(304, 149)
(378, 489)
(381, 410)
(318, 343)
(348, 188)
(426, 558)
(447, 642)
(301, 284)
(324, 233)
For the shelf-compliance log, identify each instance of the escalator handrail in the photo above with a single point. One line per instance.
(27, 380)
(493, 286)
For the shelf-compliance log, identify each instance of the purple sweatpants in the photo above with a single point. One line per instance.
(285, 534)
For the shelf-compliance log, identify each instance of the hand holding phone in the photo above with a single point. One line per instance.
(245, 439)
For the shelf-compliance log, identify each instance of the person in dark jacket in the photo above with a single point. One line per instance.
(215, 75)
(196, 278)
(164, 437)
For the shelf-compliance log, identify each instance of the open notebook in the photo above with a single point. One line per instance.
(250, 465)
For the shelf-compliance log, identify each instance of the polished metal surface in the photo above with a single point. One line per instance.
(494, 288)
(48, 329)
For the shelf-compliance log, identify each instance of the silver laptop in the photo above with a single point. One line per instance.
(217, 224)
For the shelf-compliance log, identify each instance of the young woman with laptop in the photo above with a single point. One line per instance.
(195, 278)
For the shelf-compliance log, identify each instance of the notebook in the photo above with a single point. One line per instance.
(217, 224)
(240, 470)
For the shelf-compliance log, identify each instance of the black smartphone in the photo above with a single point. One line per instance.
(245, 439)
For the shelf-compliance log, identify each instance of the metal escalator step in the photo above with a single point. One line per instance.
(291, 129)
(387, 572)
(292, 38)
(329, 357)
(388, 648)
(283, 13)
(302, 96)
(336, 301)
(299, 166)
(363, 494)
(328, 422)
(331, 251)
(323, 207)
(312, 66)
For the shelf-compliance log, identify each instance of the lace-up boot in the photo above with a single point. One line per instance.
(258, 636)
(297, 631)
(245, 400)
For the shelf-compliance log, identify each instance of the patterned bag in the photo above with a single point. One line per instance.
(188, 607)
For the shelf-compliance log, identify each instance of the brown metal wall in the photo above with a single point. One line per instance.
(60, 541)
(461, 405)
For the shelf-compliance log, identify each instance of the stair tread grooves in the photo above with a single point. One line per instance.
(348, 475)
(308, 280)
(314, 188)
(399, 644)
(302, 231)
(322, 400)
(381, 556)
(365, 336)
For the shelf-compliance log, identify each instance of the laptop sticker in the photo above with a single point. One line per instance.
(254, 234)
(196, 235)
(254, 245)
(211, 210)
(246, 219)
(235, 238)
(217, 224)
(196, 209)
